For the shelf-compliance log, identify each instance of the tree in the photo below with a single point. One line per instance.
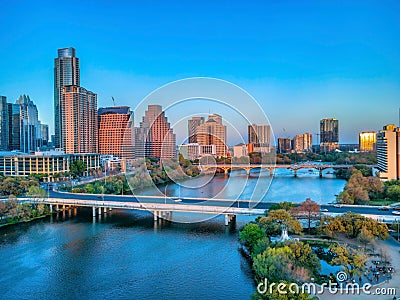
(365, 236)
(36, 193)
(279, 217)
(286, 205)
(77, 168)
(352, 260)
(250, 235)
(309, 209)
(393, 192)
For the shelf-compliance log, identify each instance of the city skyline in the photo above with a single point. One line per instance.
(344, 68)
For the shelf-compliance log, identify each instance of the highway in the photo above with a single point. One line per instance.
(365, 210)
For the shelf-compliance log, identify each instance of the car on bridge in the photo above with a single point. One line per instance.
(338, 205)
(384, 208)
(395, 212)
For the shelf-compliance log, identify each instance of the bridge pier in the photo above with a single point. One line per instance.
(320, 173)
(229, 218)
(57, 207)
(105, 209)
(94, 212)
(155, 213)
(247, 172)
(51, 208)
(295, 173)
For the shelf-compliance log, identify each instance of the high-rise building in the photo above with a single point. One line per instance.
(192, 128)
(388, 152)
(14, 131)
(329, 134)
(367, 141)
(30, 130)
(44, 128)
(259, 135)
(213, 132)
(115, 131)
(302, 142)
(284, 145)
(4, 127)
(329, 130)
(79, 120)
(66, 72)
(155, 137)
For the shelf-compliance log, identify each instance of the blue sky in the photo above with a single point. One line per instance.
(301, 60)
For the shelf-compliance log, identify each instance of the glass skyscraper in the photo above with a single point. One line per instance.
(66, 73)
(3, 124)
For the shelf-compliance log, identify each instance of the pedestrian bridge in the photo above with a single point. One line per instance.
(294, 167)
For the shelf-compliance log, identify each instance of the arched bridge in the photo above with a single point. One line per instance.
(294, 167)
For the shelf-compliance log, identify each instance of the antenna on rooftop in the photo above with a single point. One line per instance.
(113, 100)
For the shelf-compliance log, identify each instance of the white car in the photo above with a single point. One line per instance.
(325, 209)
(396, 212)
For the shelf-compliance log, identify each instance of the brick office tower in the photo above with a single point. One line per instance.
(115, 131)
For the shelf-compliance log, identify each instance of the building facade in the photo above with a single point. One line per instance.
(213, 132)
(284, 145)
(388, 152)
(115, 131)
(302, 142)
(329, 134)
(4, 124)
(155, 137)
(259, 136)
(79, 120)
(192, 128)
(240, 151)
(367, 141)
(52, 163)
(30, 128)
(66, 73)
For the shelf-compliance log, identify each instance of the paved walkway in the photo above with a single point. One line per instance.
(391, 247)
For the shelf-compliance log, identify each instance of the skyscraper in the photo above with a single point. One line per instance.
(284, 145)
(329, 134)
(192, 128)
(66, 72)
(259, 137)
(79, 120)
(155, 137)
(388, 152)
(213, 132)
(4, 138)
(302, 142)
(367, 141)
(44, 128)
(29, 124)
(14, 114)
(115, 131)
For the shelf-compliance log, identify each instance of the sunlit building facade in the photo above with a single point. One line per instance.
(388, 152)
(367, 141)
(213, 132)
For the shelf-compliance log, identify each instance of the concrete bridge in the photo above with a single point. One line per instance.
(294, 167)
(159, 210)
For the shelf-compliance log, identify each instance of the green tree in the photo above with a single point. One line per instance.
(77, 168)
(279, 217)
(250, 235)
(393, 192)
(352, 260)
(36, 193)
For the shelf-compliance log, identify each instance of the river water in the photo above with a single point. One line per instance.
(125, 255)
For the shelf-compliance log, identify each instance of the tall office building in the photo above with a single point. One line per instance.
(4, 137)
(155, 138)
(388, 152)
(213, 132)
(66, 72)
(14, 123)
(30, 130)
(115, 131)
(329, 134)
(44, 128)
(284, 145)
(192, 128)
(259, 136)
(302, 142)
(367, 141)
(79, 120)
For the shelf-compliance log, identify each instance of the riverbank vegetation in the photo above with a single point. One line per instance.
(17, 186)
(362, 188)
(298, 261)
(12, 211)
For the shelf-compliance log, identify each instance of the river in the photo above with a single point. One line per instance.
(125, 255)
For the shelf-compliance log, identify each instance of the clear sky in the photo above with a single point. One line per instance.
(302, 60)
